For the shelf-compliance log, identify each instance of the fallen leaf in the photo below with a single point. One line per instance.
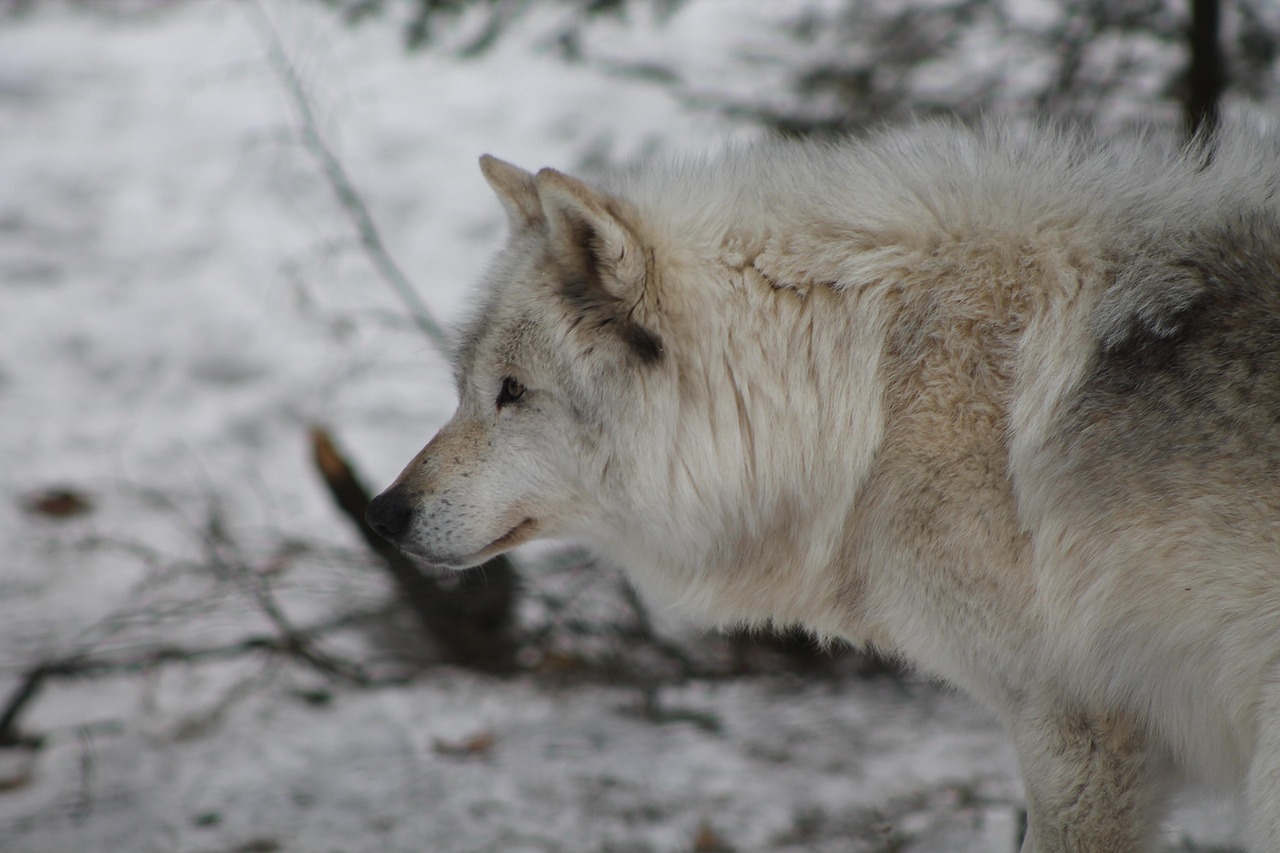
(707, 841)
(59, 502)
(476, 746)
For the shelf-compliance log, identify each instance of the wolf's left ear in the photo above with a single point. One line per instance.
(515, 189)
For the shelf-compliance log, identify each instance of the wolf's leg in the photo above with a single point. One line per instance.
(1262, 786)
(1090, 782)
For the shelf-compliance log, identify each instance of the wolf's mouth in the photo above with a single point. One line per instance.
(522, 532)
(512, 537)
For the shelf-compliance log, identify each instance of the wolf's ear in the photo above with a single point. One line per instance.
(593, 237)
(592, 232)
(516, 190)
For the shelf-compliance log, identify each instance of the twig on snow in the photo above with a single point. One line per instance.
(296, 644)
(223, 558)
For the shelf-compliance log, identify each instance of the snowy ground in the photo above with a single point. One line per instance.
(181, 299)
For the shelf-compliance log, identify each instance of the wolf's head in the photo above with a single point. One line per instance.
(669, 375)
(552, 372)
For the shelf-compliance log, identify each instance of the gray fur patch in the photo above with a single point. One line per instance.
(1188, 362)
(1151, 296)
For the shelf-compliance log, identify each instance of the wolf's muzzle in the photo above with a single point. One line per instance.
(389, 513)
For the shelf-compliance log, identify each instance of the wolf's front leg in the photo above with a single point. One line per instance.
(1091, 781)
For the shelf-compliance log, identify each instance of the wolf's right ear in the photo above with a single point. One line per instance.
(604, 263)
(593, 232)
(516, 190)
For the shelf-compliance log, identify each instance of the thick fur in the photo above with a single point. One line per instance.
(1006, 405)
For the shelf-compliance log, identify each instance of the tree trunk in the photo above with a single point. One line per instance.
(470, 617)
(1206, 75)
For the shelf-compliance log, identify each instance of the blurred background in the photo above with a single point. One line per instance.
(233, 239)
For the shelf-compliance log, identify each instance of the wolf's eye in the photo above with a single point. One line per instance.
(512, 390)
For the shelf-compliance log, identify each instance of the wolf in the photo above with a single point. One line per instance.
(1002, 403)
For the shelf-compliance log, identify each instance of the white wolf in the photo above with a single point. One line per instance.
(1006, 405)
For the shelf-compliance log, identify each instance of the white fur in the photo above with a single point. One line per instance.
(868, 350)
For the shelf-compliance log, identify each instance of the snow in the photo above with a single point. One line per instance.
(183, 299)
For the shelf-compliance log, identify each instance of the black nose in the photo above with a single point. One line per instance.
(389, 513)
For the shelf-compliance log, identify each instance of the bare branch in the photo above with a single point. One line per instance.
(349, 198)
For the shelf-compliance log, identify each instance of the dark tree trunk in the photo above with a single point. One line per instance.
(1207, 75)
(471, 616)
